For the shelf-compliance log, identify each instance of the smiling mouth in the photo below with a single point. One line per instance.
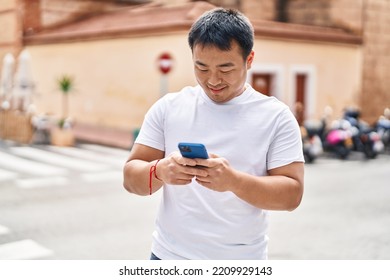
(216, 90)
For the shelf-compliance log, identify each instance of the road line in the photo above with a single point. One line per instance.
(4, 230)
(7, 175)
(23, 250)
(108, 150)
(57, 159)
(33, 183)
(28, 166)
(102, 176)
(94, 156)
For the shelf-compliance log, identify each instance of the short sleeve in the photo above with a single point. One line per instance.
(152, 130)
(286, 145)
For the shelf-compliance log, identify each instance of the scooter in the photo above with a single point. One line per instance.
(338, 139)
(365, 138)
(317, 139)
(311, 140)
(383, 129)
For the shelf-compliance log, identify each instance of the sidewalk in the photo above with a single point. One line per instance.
(104, 136)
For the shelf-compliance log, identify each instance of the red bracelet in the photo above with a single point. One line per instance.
(153, 170)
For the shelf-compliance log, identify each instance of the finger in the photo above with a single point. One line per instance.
(203, 180)
(207, 162)
(183, 182)
(184, 161)
(211, 162)
(181, 179)
(194, 172)
(202, 162)
(205, 184)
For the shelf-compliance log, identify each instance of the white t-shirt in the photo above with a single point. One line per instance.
(254, 133)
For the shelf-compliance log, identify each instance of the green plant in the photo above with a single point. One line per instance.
(65, 85)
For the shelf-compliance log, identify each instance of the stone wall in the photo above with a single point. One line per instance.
(376, 71)
(347, 14)
(315, 12)
(264, 10)
(54, 12)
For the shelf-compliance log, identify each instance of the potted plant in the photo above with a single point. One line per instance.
(62, 134)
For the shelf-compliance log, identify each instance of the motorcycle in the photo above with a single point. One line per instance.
(311, 140)
(339, 139)
(383, 129)
(317, 139)
(365, 138)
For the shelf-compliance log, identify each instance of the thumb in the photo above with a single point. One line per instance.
(213, 155)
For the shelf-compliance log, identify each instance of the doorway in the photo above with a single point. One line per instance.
(262, 83)
(300, 104)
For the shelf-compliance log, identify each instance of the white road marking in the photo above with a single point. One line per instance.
(90, 155)
(102, 176)
(7, 175)
(32, 183)
(107, 150)
(57, 159)
(4, 230)
(28, 166)
(23, 250)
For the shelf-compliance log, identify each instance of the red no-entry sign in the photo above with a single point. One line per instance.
(165, 62)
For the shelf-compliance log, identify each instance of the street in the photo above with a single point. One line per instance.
(344, 214)
(69, 203)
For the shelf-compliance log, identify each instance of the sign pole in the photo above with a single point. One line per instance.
(165, 62)
(163, 85)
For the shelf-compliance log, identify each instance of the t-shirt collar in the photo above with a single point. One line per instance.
(235, 100)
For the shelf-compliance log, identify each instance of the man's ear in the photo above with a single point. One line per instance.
(249, 60)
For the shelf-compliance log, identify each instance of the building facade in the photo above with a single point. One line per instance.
(318, 53)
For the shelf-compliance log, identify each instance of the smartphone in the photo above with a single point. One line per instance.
(193, 150)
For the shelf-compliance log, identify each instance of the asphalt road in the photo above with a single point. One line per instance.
(70, 204)
(344, 215)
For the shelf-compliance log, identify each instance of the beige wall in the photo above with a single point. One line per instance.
(8, 4)
(116, 80)
(334, 70)
(8, 34)
(9, 28)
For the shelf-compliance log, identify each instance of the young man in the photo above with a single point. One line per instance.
(216, 208)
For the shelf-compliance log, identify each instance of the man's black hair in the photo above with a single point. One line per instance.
(219, 27)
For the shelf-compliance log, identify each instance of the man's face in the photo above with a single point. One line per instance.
(221, 74)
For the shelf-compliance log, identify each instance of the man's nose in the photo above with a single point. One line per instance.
(214, 79)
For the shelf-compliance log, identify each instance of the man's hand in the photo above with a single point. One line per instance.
(219, 175)
(178, 170)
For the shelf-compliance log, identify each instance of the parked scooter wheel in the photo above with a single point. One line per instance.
(368, 151)
(308, 158)
(342, 151)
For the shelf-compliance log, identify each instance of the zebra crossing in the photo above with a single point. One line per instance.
(36, 167)
(23, 250)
